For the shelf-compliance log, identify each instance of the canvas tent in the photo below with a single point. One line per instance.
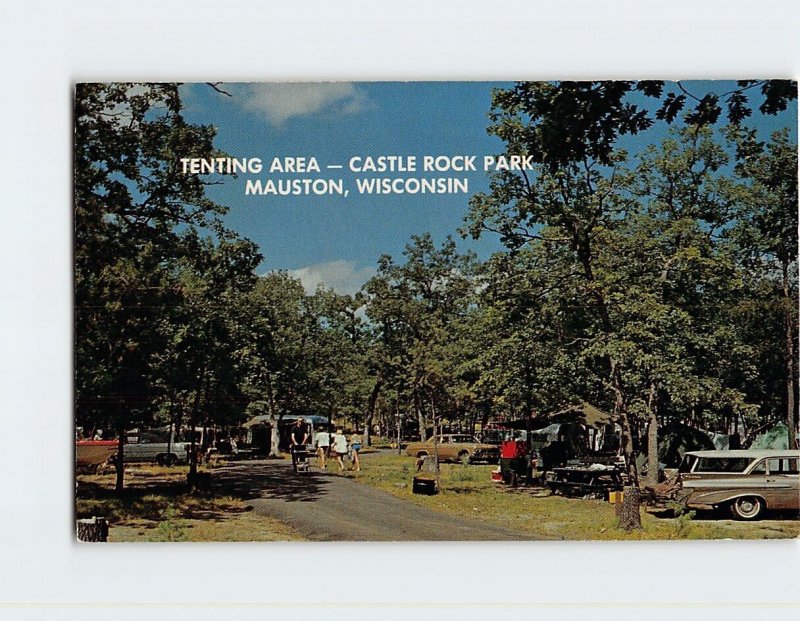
(586, 414)
(775, 438)
(676, 439)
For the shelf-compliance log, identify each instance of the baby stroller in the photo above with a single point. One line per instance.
(300, 461)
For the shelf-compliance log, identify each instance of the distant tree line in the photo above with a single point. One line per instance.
(660, 286)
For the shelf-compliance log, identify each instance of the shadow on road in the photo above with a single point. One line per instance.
(267, 481)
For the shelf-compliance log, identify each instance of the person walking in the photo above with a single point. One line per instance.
(322, 440)
(298, 439)
(355, 447)
(340, 448)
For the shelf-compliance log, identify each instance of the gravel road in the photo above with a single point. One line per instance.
(324, 506)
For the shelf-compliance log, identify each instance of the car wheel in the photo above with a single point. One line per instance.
(161, 460)
(747, 508)
(463, 457)
(170, 460)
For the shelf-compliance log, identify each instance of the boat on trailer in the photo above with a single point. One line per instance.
(94, 452)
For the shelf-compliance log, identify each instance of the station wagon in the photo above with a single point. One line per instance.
(746, 482)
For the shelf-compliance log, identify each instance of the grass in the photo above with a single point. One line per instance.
(467, 491)
(157, 506)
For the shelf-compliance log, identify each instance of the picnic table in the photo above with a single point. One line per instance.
(587, 479)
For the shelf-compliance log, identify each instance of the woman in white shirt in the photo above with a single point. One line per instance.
(340, 448)
(323, 441)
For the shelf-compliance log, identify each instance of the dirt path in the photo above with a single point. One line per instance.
(326, 507)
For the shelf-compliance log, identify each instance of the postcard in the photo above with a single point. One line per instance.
(427, 311)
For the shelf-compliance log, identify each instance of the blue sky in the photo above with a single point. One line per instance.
(338, 240)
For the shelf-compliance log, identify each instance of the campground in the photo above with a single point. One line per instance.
(262, 500)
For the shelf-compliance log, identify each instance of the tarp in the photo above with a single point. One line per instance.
(258, 420)
(586, 414)
(570, 435)
(776, 438)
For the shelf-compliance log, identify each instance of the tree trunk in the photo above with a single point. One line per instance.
(192, 476)
(119, 463)
(620, 408)
(274, 438)
(373, 401)
(399, 421)
(652, 437)
(192, 438)
(628, 512)
(93, 529)
(421, 419)
(436, 433)
(582, 245)
(791, 416)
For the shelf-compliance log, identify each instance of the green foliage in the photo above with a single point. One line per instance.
(155, 270)
(682, 522)
(662, 287)
(170, 527)
(420, 313)
(627, 281)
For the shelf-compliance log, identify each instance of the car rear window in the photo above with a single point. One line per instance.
(722, 464)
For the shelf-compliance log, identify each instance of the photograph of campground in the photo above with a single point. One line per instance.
(399, 311)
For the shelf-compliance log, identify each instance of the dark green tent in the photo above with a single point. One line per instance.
(676, 439)
(775, 438)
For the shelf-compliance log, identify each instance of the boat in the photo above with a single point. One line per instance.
(94, 452)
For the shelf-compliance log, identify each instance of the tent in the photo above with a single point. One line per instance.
(585, 414)
(676, 439)
(775, 438)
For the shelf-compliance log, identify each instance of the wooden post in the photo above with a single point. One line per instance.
(93, 529)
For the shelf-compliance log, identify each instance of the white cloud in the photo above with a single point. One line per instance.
(282, 101)
(341, 276)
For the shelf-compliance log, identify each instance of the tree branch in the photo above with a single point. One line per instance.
(215, 86)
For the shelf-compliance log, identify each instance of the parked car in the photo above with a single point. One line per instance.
(455, 447)
(746, 482)
(155, 445)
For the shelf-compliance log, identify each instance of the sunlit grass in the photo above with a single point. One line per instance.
(157, 506)
(468, 491)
